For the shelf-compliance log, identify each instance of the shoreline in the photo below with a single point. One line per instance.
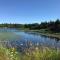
(52, 35)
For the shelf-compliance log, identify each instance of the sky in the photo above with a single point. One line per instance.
(29, 11)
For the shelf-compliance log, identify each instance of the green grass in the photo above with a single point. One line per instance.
(37, 54)
(45, 54)
(9, 54)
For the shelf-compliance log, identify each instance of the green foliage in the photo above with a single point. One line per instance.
(45, 54)
(8, 54)
(37, 54)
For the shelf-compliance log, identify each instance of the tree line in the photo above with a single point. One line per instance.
(52, 26)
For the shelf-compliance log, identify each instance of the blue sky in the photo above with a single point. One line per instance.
(29, 11)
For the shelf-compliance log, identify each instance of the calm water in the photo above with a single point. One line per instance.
(26, 40)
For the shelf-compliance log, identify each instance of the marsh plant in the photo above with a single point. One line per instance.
(29, 54)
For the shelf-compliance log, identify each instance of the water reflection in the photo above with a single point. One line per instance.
(29, 41)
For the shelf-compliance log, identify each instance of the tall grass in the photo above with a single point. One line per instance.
(29, 54)
(8, 54)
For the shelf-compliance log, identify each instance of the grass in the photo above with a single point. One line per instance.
(45, 54)
(8, 54)
(37, 54)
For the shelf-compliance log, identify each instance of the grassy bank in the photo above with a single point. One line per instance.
(8, 54)
(36, 54)
(54, 35)
(46, 33)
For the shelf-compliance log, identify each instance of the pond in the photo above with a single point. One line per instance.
(21, 39)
